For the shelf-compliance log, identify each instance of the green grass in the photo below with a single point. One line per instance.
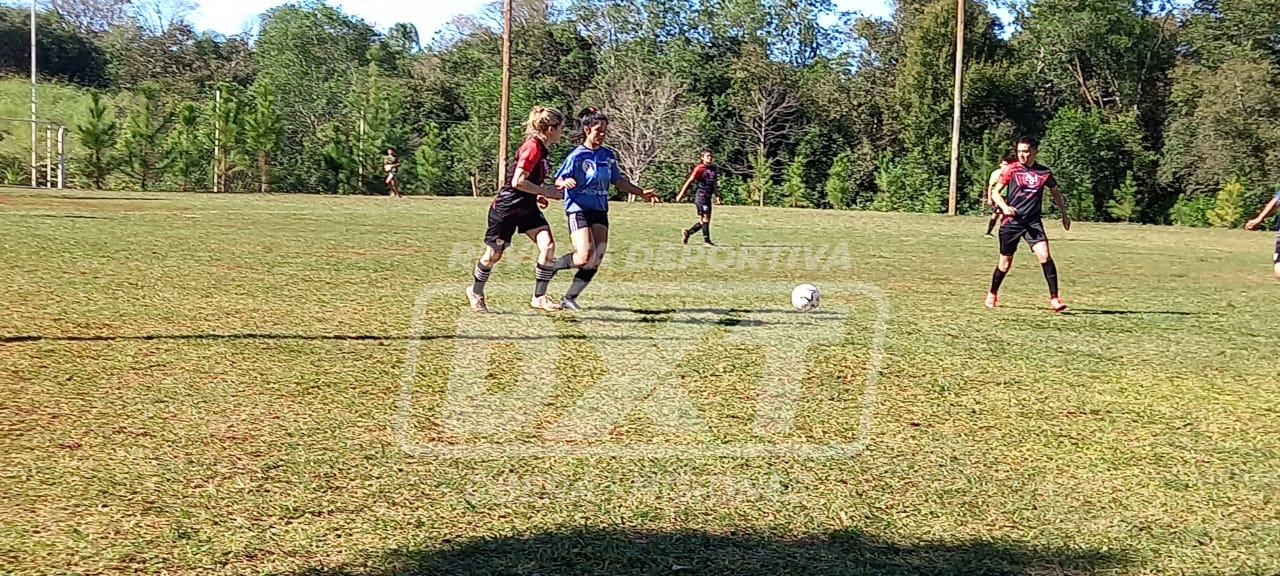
(196, 384)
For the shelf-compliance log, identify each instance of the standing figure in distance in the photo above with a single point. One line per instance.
(391, 166)
(706, 177)
(1005, 161)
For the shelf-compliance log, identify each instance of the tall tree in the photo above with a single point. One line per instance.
(98, 136)
(262, 131)
(142, 140)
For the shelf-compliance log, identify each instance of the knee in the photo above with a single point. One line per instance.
(583, 256)
(491, 257)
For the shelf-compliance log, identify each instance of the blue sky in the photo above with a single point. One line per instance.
(234, 16)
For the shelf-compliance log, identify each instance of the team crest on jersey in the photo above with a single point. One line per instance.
(1030, 179)
(589, 168)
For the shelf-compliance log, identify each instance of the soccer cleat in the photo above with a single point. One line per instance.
(990, 235)
(991, 300)
(709, 244)
(544, 303)
(1056, 304)
(477, 301)
(570, 304)
(684, 236)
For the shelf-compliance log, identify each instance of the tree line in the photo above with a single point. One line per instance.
(1148, 112)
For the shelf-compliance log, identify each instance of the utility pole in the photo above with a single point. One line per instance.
(506, 93)
(33, 94)
(955, 114)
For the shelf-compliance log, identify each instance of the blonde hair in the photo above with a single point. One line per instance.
(541, 120)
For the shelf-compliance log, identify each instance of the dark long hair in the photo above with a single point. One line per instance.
(589, 118)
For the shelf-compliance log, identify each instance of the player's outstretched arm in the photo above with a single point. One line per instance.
(1062, 207)
(1266, 211)
(625, 185)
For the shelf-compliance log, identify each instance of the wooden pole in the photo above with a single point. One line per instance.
(506, 93)
(955, 115)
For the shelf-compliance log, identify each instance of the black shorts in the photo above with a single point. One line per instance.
(1275, 258)
(1013, 229)
(703, 206)
(503, 227)
(587, 219)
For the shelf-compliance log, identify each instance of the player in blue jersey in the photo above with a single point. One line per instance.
(585, 177)
(1257, 221)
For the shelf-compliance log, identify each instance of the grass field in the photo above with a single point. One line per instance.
(196, 384)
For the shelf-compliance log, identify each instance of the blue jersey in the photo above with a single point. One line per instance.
(593, 171)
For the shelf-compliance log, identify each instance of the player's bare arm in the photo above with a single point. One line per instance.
(1266, 211)
(685, 188)
(520, 181)
(1062, 207)
(625, 185)
(565, 183)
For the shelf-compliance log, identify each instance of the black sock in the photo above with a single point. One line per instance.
(1051, 276)
(564, 262)
(997, 278)
(706, 232)
(694, 228)
(481, 275)
(580, 281)
(991, 224)
(542, 277)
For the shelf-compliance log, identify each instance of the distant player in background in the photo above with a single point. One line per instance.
(1257, 221)
(585, 176)
(705, 177)
(1026, 180)
(986, 198)
(518, 208)
(391, 166)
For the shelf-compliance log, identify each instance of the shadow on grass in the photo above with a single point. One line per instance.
(77, 216)
(622, 553)
(1108, 312)
(1096, 312)
(15, 339)
(125, 198)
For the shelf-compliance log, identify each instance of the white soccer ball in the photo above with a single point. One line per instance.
(805, 297)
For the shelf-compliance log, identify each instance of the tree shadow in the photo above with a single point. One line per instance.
(20, 338)
(77, 216)
(624, 553)
(125, 198)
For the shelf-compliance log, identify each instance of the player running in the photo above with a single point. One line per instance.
(1257, 220)
(706, 176)
(1026, 180)
(518, 208)
(986, 198)
(585, 177)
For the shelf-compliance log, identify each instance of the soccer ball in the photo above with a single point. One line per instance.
(805, 297)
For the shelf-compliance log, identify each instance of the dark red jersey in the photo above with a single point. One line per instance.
(705, 181)
(531, 158)
(1026, 188)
